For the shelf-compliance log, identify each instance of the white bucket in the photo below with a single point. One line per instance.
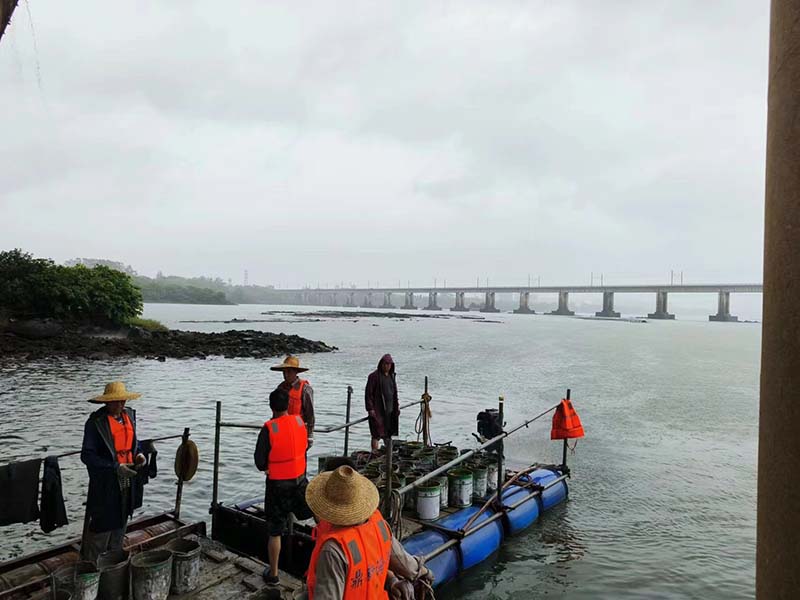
(443, 490)
(428, 502)
(479, 482)
(460, 484)
(491, 476)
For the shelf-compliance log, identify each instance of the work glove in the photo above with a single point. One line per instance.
(125, 471)
(310, 441)
(400, 589)
(140, 461)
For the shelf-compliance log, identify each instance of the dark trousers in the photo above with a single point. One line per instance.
(94, 544)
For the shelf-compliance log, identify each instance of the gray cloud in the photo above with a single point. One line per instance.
(386, 141)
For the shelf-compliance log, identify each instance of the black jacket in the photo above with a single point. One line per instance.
(104, 501)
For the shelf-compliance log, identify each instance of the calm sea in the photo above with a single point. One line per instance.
(663, 494)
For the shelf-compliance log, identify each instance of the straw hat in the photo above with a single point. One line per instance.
(342, 497)
(290, 362)
(114, 392)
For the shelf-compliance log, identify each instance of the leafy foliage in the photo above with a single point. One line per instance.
(37, 287)
(158, 290)
(148, 324)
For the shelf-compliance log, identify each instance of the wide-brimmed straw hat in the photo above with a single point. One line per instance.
(114, 392)
(290, 362)
(342, 497)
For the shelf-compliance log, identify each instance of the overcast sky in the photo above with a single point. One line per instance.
(354, 141)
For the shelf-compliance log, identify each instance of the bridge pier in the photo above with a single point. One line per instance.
(563, 305)
(409, 305)
(724, 309)
(367, 300)
(387, 300)
(524, 309)
(488, 304)
(459, 306)
(608, 306)
(661, 308)
(350, 299)
(432, 305)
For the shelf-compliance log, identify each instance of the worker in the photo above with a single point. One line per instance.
(301, 394)
(355, 556)
(281, 454)
(381, 401)
(110, 451)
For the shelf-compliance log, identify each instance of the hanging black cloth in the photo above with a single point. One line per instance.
(148, 471)
(19, 492)
(54, 513)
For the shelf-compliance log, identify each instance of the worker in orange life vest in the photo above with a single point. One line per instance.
(301, 394)
(110, 451)
(281, 454)
(355, 556)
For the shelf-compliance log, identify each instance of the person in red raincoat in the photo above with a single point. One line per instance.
(382, 404)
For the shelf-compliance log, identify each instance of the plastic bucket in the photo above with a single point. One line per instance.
(113, 567)
(441, 480)
(86, 582)
(151, 574)
(185, 565)
(460, 488)
(428, 502)
(479, 474)
(491, 476)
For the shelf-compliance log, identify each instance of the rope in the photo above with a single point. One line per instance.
(422, 426)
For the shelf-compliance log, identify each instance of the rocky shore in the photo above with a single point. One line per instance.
(45, 340)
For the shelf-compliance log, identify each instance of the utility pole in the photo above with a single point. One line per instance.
(591, 279)
(671, 275)
(529, 280)
(601, 280)
(681, 277)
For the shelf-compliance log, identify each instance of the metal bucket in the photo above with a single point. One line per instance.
(152, 574)
(185, 565)
(87, 581)
(113, 566)
(460, 488)
(479, 474)
(491, 476)
(428, 502)
(443, 490)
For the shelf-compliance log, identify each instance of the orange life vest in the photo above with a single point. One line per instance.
(122, 434)
(288, 441)
(566, 423)
(367, 548)
(296, 398)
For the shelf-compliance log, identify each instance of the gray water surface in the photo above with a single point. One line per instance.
(662, 499)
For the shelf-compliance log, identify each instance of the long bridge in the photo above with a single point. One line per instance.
(383, 297)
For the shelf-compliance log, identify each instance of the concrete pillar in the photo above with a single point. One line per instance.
(488, 304)
(563, 305)
(387, 300)
(409, 305)
(723, 309)
(367, 300)
(460, 304)
(432, 305)
(608, 306)
(524, 309)
(661, 307)
(350, 299)
(778, 531)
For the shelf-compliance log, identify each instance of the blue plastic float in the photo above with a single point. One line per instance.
(477, 547)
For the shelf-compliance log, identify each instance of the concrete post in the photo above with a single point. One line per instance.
(367, 300)
(724, 309)
(524, 309)
(608, 306)
(460, 304)
(563, 305)
(778, 532)
(661, 308)
(432, 305)
(387, 300)
(409, 305)
(488, 304)
(350, 299)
